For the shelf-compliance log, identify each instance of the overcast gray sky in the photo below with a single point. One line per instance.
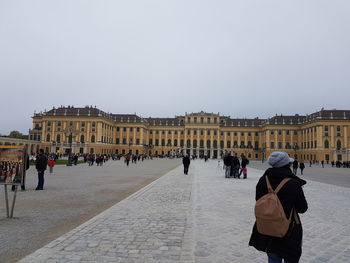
(242, 58)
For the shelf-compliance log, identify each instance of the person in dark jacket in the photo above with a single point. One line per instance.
(244, 164)
(41, 165)
(295, 167)
(236, 165)
(292, 197)
(302, 167)
(186, 162)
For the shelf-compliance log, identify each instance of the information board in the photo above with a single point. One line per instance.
(12, 164)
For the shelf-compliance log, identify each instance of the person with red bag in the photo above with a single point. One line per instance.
(51, 164)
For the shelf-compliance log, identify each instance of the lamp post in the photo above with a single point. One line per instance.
(263, 154)
(295, 148)
(169, 145)
(69, 132)
(130, 143)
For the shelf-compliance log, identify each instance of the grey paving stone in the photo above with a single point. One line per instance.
(201, 217)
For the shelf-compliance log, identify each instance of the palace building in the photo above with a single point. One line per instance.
(323, 135)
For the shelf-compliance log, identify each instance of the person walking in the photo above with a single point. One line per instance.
(322, 163)
(291, 196)
(236, 166)
(227, 164)
(75, 159)
(302, 167)
(186, 162)
(295, 167)
(41, 165)
(127, 159)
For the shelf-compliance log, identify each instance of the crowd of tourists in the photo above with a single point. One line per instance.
(234, 167)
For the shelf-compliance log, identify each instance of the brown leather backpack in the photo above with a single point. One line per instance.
(269, 213)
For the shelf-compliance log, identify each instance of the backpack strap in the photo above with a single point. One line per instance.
(269, 187)
(284, 181)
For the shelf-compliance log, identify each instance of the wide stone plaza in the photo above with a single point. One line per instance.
(199, 217)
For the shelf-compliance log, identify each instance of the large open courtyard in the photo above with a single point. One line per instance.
(199, 217)
(71, 196)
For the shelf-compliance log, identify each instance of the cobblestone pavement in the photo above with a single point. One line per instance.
(201, 217)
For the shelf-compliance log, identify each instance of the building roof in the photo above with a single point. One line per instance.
(178, 120)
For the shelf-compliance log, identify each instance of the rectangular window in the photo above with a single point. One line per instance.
(137, 141)
(131, 129)
(138, 129)
(279, 132)
(124, 129)
(117, 140)
(169, 132)
(124, 141)
(188, 132)
(272, 145)
(235, 134)
(279, 145)
(256, 134)
(208, 132)
(182, 143)
(195, 132)
(49, 123)
(215, 132)
(202, 132)
(150, 142)
(58, 123)
(242, 133)
(249, 134)
(272, 132)
(118, 129)
(83, 124)
(175, 132)
(157, 142)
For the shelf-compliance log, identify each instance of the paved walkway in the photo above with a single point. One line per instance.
(201, 217)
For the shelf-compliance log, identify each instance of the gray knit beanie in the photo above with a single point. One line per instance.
(279, 159)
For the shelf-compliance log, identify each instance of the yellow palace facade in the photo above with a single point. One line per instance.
(323, 135)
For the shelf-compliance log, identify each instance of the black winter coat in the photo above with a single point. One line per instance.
(291, 196)
(186, 161)
(245, 162)
(41, 163)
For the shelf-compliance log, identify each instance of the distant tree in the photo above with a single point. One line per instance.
(15, 134)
